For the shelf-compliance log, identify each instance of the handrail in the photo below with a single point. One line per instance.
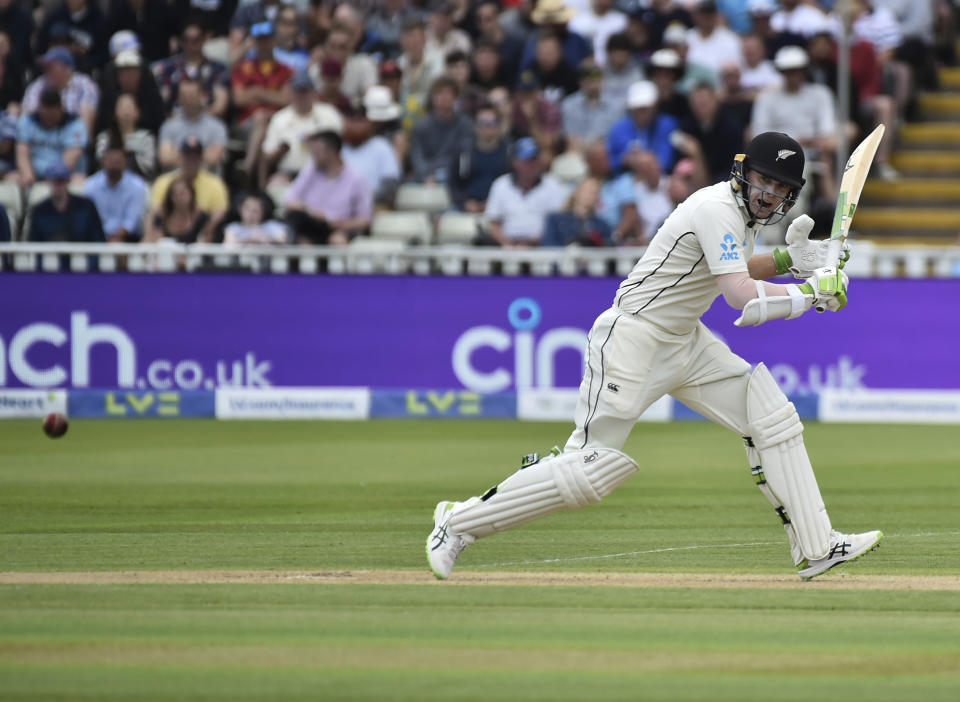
(388, 257)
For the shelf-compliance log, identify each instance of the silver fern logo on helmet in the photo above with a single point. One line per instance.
(784, 153)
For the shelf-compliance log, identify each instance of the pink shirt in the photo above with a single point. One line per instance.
(343, 197)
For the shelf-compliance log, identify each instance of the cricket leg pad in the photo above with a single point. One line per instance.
(570, 480)
(756, 469)
(777, 436)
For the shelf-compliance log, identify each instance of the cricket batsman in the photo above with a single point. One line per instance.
(651, 342)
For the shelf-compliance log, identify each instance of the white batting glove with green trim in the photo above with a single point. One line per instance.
(828, 288)
(804, 256)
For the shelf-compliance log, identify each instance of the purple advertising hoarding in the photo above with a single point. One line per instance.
(485, 334)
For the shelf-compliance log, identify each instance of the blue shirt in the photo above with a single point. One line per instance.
(614, 196)
(121, 206)
(78, 223)
(48, 144)
(655, 138)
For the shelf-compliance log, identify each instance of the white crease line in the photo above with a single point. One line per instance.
(691, 547)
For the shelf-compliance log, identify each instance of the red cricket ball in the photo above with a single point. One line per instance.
(55, 425)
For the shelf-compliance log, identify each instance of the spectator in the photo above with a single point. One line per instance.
(11, 79)
(192, 121)
(458, 69)
(598, 24)
(245, 17)
(213, 15)
(17, 21)
(665, 14)
(621, 70)
(520, 201)
(589, 114)
(917, 23)
(384, 24)
(284, 147)
(64, 216)
(371, 155)
(650, 188)
(385, 116)
(533, 115)
(329, 202)
(332, 73)
(119, 195)
(420, 66)
(554, 15)
(761, 15)
(717, 131)
(288, 50)
(443, 37)
(675, 38)
(210, 191)
(8, 145)
(191, 63)
(440, 135)
(639, 33)
(509, 47)
(804, 110)
(758, 72)
(252, 229)
(734, 97)
(665, 70)
(474, 169)
(82, 22)
(486, 71)
(557, 79)
(359, 70)
(152, 20)
(178, 217)
(618, 201)
(127, 74)
(140, 145)
(50, 136)
(579, 223)
(878, 25)
(709, 43)
(643, 124)
(78, 93)
(261, 86)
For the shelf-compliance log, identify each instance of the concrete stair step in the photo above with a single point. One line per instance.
(950, 78)
(912, 191)
(906, 221)
(939, 104)
(932, 135)
(919, 162)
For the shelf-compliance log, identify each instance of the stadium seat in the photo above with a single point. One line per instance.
(217, 49)
(458, 228)
(406, 227)
(10, 198)
(426, 198)
(569, 168)
(39, 192)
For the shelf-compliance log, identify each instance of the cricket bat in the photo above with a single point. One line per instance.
(851, 185)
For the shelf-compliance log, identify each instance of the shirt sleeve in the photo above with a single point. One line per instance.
(218, 133)
(298, 190)
(75, 135)
(494, 210)
(273, 139)
(720, 232)
(362, 199)
(133, 206)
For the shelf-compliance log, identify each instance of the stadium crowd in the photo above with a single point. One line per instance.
(554, 122)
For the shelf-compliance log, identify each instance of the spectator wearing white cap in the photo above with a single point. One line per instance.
(709, 43)
(642, 123)
(805, 110)
(665, 70)
(598, 23)
(153, 20)
(799, 18)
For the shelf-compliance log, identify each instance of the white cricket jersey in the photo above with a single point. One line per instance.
(673, 284)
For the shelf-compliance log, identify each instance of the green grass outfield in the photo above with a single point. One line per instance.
(200, 560)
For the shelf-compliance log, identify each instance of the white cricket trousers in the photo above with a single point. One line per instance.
(630, 363)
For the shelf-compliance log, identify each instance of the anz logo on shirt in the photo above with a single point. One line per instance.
(729, 246)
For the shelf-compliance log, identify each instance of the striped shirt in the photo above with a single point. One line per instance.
(80, 93)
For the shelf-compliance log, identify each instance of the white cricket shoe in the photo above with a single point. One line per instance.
(843, 549)
(444, 546)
